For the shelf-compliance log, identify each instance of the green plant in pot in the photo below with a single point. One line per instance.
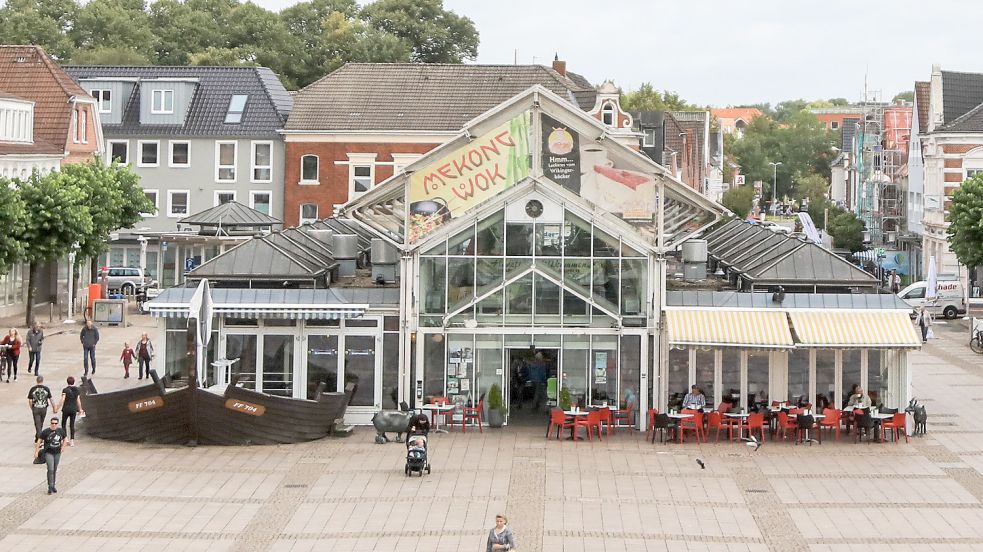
(565, 398)
(496, 408)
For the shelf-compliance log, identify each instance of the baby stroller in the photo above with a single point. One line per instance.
(417, 436)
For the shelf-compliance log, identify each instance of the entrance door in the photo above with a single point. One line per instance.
(530, 373)
(361, 366)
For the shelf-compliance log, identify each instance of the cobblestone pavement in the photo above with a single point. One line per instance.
(623, 494)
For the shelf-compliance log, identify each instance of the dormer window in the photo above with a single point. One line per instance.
(105, 100)
(608, 114)
(162, 102)
(237, 106)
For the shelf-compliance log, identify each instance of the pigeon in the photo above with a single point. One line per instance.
(753, 443)
(702, 465)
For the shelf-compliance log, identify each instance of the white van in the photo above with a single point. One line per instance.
(949, 303)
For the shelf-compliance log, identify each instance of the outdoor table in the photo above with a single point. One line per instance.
(816, 417)
(878, 418)
(437, 409)
(742, 416)
(574, 414)
(677, 416)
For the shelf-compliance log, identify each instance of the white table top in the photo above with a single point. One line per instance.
(881, 416)
(737, 414)
(438, 407)
(816, 416)
(575, 412)
(680, 415)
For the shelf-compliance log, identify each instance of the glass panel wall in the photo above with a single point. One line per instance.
(278, 364)
(825, 378)
(242, 347)
(576, 349)
(705, 361)
(631, 368)
(798, 376)
(730, 376)
(876, 377)
(433, 366)
(390, 369)
(757, 378)
(322, 363)
(490, 367)
(604, 370)
(677, 381)
(851, 370)
(360, 368)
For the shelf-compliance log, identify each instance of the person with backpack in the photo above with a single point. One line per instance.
(49, 443)
(145, 353)
(38, 399)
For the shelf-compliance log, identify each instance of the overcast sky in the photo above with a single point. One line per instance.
(728, 52)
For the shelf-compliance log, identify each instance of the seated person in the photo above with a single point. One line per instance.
(858, 399)
(694, 399)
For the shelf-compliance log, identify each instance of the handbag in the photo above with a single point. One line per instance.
(39, 459)
(930, 334)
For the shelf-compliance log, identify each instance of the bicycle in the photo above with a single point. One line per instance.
(976, 342)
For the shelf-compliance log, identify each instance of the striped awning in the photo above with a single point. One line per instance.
(855, 328)
(290, 304)
(729, 328)
(279, 311)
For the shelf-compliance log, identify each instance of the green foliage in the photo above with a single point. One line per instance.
(12, 214)
(435, 34)
(907, 95)
(965, 232)
(812, 186)
(647, 98)
(110, 56)
(59, 216)
(817, 210)
(121, 24)
(495, 398)
(46, 23)
(565, 403)
(847, 230)
(739, 200)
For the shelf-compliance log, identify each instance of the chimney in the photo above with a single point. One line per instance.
(559, 66)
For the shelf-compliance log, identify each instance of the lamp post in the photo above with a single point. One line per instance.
(774, 186)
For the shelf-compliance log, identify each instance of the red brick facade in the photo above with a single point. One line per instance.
(332, 188)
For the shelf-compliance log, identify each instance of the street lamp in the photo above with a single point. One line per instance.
(774, 186)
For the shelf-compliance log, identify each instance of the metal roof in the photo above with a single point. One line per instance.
(742, 300)
(374, 296)
(270, 257)
(961, 92)
(266, 111)
(241, 296)
(261, 303)
(232, 214)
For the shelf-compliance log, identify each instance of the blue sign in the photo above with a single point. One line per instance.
(191, 263)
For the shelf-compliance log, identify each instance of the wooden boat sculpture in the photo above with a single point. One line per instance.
(190, 415)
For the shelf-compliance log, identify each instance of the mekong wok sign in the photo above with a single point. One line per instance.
(468, 176)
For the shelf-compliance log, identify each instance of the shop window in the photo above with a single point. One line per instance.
(798, 376)
(360, 368)
(826, 377)
(390, 369)
(757, 378)
(433, 284)
(322, 323)
(244, 348)
(390, 323)
(361, 323)
(677, 380)
(877, 376)
(322, 363)
(518, 239)
(606, 283)
(575, 360)
(490, 365)
(630, 366)
(278, 365)
(730, 376)
(705, 366)
(548, 240)
(279, 323)
(634, 286)
(851, 370)
(603, 374)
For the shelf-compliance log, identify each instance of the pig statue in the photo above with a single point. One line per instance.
(390, 421)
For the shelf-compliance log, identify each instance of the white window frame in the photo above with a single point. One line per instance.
(970, 172)
(83, 126)
(156, 202)
(170, 154)
(307, 182)
(300, 212)
(609, 107)
(140, 144)
(218, 160)
(215, 201)
(402, 160)
(646, 142)
(170, 203)
(360, 160)
(98, 93)
(75, 126)
(109, 151)
(252, 161)
(164, 94)
(252, 199)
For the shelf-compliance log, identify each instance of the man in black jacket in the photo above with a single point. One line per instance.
(89, 336)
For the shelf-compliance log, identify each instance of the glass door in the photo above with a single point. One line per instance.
(362, 369)
(322, 364)
(278, 365)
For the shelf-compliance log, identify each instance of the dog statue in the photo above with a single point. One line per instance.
(390, 421)
(920, 416)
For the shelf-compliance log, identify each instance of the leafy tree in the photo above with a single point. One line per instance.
(739, 200)
(812, 186)
(110, 56)
(787, 110)
(46, 23)
(965, 232)
(123, 24)
(182, 31)
(59, 216)
(12, 213)
(847, 230)
(435, 35)
(647, 98)
(907, 95)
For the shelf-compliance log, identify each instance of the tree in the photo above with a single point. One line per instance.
(739, 200)
(647, 98)
(110, 56)
(434, 34)
(965, 232)
(814, 187)
(12, 213)
(847, 230)
(182, 31)
(123, 24)
(58, 216)
(42, 22)
(907, 95)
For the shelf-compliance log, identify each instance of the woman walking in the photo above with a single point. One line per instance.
(924, 322)
(71, 405)
(145, 353)
(11, 343)
(501, 537)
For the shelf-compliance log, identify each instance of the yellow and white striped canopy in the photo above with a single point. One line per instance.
(854, 328)
(748, 328)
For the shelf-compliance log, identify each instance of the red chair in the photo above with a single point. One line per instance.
(558, 421)
(756, 421)
(715, 421)
(831, 421)
(447, 416)
(593, 420)
(694, 424)
(607, 417)
(472, 415)
(897, 424)
(626, 414)
(650, 426)
(785, 424)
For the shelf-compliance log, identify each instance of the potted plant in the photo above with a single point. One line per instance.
(496, 410)
(565, 398)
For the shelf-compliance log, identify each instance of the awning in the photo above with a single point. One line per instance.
(294, 304)
(734, 328)
(855, 328)
(305, 312)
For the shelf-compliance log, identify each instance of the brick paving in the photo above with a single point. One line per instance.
(622, 494)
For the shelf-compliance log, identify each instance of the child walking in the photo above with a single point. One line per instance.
(127, 358)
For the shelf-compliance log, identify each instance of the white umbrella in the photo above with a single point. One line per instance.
(932, 282)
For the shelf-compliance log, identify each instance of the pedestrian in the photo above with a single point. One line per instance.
(501, 537)
(894, 281)
(35, 338)
(145, 353)
(71, 406)
(924, 321)
(38, 398)
(49, 444)
(89, 336)
(127, 358)
(12, 343)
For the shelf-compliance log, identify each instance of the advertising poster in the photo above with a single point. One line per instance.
(468, 176)
(561, 154)
(600, 367)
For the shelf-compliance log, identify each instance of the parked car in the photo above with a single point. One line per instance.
(125, 280)
(949, 303)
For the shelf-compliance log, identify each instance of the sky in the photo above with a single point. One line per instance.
(733, 52)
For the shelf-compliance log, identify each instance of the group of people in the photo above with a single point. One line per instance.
(10, 348)
(49, 442)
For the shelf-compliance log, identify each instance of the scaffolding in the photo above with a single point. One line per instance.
(881, 153)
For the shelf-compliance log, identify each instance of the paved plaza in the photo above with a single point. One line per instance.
(622, 494)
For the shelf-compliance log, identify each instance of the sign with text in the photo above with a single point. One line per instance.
(245, 407)
(467, 176)
(561, 153)
(143, 405)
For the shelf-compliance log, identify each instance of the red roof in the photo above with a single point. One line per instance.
(745, 113)
(28, 72)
